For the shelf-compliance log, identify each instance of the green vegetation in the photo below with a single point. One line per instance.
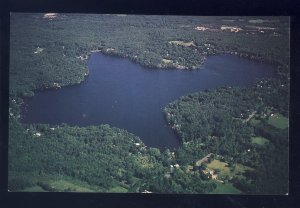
(254, 121)
(63, 185)
(221, 167)
(278, 121)
(259, 140)
(51, 52)
(226, 172)
(217, 121)
(118, 189)
(226, 188)
(33, 189)
(95, 158)
(57, 186)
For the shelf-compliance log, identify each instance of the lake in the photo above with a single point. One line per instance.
(126, 95)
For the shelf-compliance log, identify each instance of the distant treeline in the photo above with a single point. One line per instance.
(47, 51)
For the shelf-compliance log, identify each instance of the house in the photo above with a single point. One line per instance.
(176, 166)
(50, 15)
(214, 176)
(171, 168)
(37, 134)
(205, 172)
(232, 29)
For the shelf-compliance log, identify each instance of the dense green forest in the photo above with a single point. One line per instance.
(104, 157)
(217, 121)
(41, 47)
(246, 130)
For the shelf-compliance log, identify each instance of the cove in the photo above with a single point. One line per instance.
(126, 95)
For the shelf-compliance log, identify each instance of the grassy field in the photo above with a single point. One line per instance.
(33, 189)
(66, 185)
(259, 140)
(226, 188)
(254, 121)
(118, 189)
(60, 185)
(278, 121)
(218, 165)
(226, 171)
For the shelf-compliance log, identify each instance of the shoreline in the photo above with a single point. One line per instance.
(85, 77)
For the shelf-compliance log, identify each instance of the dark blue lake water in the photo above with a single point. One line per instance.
(126, 95)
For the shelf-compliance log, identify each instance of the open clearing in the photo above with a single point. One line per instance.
(182, 43)
(59, 185)
(118, 189)
(33, 189)
(254, 121)
(259, 140)
(226, 188)
(225, 171)
(278, 121)
(66, 185)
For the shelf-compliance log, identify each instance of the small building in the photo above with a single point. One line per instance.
(37, 134)
(176, 166)
(205, 172)
(214, 176)
(171, 168)
(191, 168)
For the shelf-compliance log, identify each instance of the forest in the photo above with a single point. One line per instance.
(243, 128)
(217, 122)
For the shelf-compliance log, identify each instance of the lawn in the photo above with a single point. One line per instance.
(226, 188)
(259, 140)
(278, 121)
(218, 165)
(226, 171)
